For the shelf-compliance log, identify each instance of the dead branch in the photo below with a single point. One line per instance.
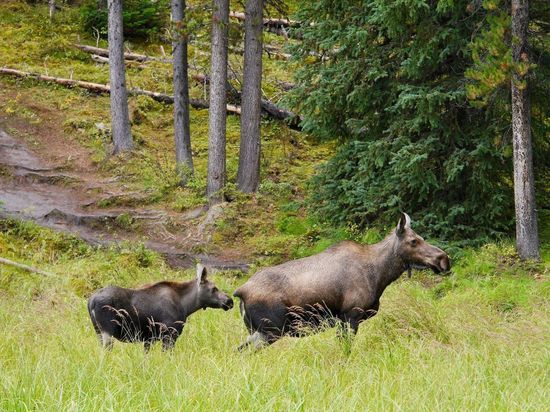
(277, 26)
(269, 108)
(127, 56)
(105, 60)
(94, 87)
(267, 21)
(24, 267)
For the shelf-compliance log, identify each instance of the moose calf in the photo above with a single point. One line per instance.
(155, 312)
(341, 285)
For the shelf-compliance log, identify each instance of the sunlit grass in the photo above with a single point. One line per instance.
(479, 343)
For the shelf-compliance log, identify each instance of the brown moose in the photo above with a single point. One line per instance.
(341, 285)
(156, 312)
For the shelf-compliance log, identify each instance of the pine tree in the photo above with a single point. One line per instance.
(248, 175)
(388, 81)
(182, 132)
(527, 238)
(120, 121)
(218, 96)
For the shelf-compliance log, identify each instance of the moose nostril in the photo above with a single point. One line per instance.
(445, 263)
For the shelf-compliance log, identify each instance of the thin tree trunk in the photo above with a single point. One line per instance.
(120, 122)
(182, 132)
(52, 7)
(248, 176)
(527, 238)
(218, 95)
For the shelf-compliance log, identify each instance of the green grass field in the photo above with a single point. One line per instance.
(475, 340)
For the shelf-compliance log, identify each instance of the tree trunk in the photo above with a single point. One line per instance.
(182, 132)
(527, 238)
(52, 8)
(120, 122)
(248, 176)
(218, 95)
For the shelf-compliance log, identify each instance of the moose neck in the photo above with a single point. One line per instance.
(388, 262)
(189, 297)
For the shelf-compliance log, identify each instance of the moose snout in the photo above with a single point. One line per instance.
(444, 263)
(228, 304)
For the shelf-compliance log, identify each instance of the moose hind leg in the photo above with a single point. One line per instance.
(257, 339)
(168, 342)
(106, 340)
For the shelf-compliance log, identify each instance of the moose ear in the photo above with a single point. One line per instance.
(404, 222)
(201, 274)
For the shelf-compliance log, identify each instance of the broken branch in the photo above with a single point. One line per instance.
(24, 267)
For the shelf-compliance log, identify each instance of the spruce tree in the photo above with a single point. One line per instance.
(387, 79)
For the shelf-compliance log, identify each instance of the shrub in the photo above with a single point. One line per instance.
(141, 18)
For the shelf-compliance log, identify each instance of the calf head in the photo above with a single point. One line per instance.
(208, 294)
(416, 252)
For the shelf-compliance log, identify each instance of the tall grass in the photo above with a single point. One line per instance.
(477, 340)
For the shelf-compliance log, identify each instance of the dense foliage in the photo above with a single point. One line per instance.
(141, 18)
(387, 79)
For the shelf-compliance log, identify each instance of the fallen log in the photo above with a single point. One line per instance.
(94, 87)
(104, 88)
(277, 26)
(24, 267)
(267, 21)
(270, 50)
(269, 108)
(286, 86)
(105, 60)
(98, 51)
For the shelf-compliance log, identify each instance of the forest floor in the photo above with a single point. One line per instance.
(57, 185)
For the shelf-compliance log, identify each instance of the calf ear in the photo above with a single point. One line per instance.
(404, 222)
(201, 273)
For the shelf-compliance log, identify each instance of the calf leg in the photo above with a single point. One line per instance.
(257, 339)
(106, 340)
(168, 342)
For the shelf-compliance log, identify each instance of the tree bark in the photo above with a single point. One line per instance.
(120, 121)
(248, 176)
(527, 239)
(52, 8)
(218, 96)
(182, 132)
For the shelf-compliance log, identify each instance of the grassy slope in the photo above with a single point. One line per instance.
(476, 340)
(288, 158)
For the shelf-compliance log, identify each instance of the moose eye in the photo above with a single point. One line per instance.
(413, 242)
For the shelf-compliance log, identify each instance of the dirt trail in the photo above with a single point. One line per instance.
(32, 188)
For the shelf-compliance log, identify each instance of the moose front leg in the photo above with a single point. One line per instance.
(170, 336)
(353, 318)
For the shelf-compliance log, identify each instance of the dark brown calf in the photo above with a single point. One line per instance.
(156, 312)
(341, 285)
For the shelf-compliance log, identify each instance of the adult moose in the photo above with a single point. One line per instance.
(341, 285)
(155, 312)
